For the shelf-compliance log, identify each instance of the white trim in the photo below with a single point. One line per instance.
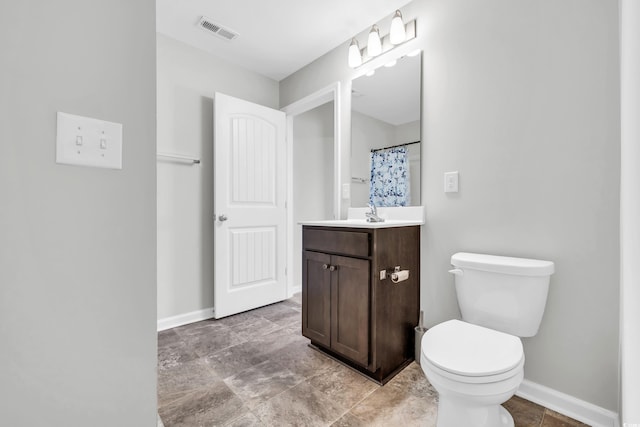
(316, 99)
(290, 227)
(629, 365)
(309, 102)
(570, 406)
(184, 319)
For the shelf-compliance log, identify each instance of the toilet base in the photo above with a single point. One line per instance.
(473, 404)
(453, 413)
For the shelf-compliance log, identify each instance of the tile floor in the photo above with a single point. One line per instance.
(255, 369)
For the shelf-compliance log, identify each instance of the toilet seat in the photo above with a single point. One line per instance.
(477, 380)
(469, 353)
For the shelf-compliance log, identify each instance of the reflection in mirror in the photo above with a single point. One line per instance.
(385, 135)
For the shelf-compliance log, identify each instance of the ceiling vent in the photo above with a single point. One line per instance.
(216, 29)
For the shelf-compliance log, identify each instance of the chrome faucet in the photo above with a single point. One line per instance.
(372, 215)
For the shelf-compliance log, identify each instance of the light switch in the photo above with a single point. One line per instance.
(451, 182)
(84, 141)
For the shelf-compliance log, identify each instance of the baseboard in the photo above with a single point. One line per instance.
(294, 291)
(570, 406)
(184, 319)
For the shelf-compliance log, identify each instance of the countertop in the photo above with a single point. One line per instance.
(361, 223)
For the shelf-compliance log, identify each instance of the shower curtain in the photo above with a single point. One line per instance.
(389, 177)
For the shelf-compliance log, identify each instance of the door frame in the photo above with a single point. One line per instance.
(309, 102)
(629, 210)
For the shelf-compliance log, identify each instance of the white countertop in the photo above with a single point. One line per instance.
(393, 217)
(361, 223)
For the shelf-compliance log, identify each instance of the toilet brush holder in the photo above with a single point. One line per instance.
(419, 332)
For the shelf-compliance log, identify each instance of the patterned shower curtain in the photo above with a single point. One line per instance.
(389, 177)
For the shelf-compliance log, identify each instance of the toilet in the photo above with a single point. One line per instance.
(477, 363)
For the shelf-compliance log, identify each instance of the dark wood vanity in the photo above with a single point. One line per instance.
(348, 311)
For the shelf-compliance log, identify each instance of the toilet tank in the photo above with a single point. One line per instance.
(502, 293)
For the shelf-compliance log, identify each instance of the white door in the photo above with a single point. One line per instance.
(249, 205)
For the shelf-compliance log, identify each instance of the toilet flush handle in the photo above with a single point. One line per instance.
(457, 272)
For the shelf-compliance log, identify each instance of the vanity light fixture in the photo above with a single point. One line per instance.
(374, 44)
(400, 33)
(397, 33)
(355, 57)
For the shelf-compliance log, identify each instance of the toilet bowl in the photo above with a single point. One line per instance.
(474, 369)
(477, 363)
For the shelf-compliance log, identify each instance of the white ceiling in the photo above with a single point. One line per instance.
(277, 37)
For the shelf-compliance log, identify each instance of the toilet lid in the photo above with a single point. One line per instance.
(471, 350)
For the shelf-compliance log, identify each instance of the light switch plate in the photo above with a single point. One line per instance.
(451, 182)
(84, 141)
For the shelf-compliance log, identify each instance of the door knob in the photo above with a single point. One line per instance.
(222, 217)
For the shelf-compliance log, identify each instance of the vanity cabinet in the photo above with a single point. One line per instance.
(338, 316)
(348, 310)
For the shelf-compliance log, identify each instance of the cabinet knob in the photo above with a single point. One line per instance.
(222, 218)
(333, 268)
(325, 266)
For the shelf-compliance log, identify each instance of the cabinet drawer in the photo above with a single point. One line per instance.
(338, 242)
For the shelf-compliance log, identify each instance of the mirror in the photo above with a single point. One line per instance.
(385, 135)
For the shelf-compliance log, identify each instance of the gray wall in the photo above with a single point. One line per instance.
(77, 244)
(187, 80)
(522, 99)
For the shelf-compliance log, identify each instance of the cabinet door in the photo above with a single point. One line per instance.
(316, 300)
(350, 308)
